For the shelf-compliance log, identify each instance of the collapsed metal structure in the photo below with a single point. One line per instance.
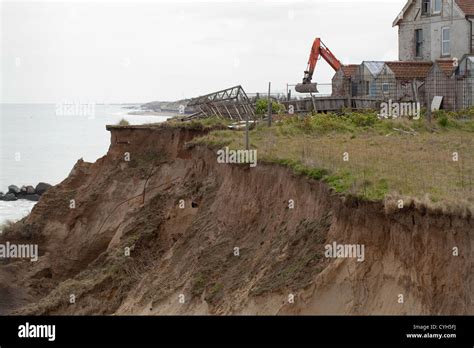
(231, 103)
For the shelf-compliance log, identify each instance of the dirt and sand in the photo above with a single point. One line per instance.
(174, 232)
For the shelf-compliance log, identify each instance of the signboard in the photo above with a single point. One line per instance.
(436, 103)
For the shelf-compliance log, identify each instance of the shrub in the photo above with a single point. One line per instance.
(340, 182)
(123, 122)
(443, 121)
(261, 107)
(364, 120)
(330, 123)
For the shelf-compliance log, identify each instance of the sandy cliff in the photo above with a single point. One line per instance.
(189, 254)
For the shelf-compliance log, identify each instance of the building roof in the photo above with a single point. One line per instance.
(410, 70)
(402, 13)
(350, 70)
(447, 66)
(467, 6)
(470, 58)
(375, 68)
(466, 67)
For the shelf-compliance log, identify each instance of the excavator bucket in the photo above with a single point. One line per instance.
(306, 88)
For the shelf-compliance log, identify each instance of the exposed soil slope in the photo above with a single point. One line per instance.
(188, 254)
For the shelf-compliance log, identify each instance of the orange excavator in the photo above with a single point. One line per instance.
(318, 49)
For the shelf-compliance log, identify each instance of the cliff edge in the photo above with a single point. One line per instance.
(158, 226)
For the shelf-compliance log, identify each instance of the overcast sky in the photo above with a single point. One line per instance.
(132, 51)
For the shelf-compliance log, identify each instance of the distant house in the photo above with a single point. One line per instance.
(435, 29)
(374, 79)
(399, 81)
(410, 80)
(342, 80)
(441, 81)
(466, 67)
(436, 59)
(465, 83)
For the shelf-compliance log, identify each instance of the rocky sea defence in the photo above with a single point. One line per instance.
(29, 192)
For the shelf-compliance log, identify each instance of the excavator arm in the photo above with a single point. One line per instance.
(319, 49)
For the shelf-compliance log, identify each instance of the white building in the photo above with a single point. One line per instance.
(435, 29)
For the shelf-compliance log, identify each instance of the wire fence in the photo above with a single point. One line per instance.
(457, 93)
(438, 90)
(324, 90)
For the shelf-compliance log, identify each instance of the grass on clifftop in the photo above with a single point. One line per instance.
(123, 122)
(362, 155)
(197, 124)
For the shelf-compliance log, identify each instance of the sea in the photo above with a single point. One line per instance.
(42, 142)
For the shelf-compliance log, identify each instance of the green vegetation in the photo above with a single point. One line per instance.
(367, 157)
(215, 293)
(303, 259)
(456, 115)
(198, 124)
(123, 122)
(146, 159)
(7, 225)
(261, 108)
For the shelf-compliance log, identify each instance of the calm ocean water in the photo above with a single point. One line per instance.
(38, 143)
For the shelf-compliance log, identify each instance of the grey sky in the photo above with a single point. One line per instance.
(132, 51)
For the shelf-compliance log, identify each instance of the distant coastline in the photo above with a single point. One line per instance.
(39, 145)
(153, 113)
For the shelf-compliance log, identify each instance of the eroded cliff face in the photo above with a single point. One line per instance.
(171, 231)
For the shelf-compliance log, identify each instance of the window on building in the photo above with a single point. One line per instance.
(470, 66)
(385, 87)
(425, 7)
(418, 43)
(355, 89)
(465, 67)
(445, 41)
(437, 6)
